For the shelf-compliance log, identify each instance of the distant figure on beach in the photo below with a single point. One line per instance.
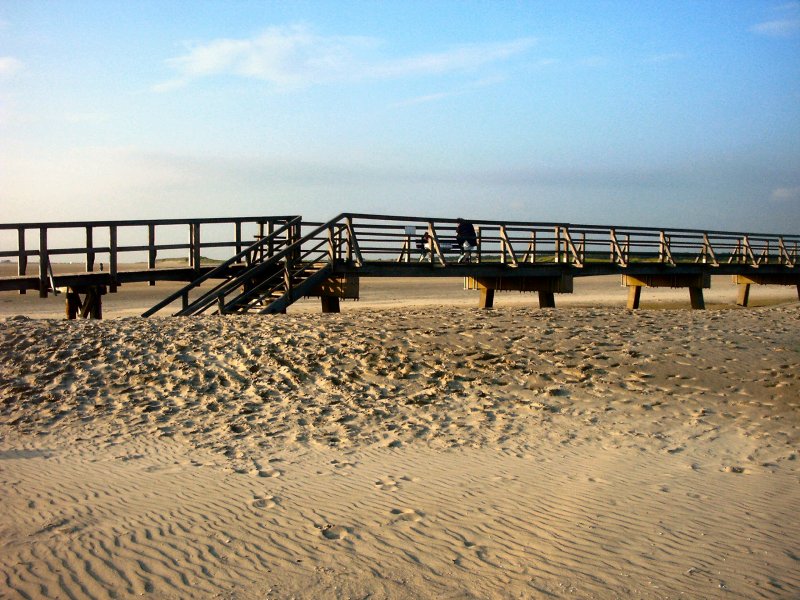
(466, 240)
(424, 246)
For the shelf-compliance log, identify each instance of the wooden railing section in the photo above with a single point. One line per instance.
(145, 245)
(515, 243)
(269, 261)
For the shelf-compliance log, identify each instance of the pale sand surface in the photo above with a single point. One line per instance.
(420, 451)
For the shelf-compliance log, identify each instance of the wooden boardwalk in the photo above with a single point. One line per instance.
(263, 264)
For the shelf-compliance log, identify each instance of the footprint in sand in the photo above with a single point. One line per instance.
(342, 464)
(735, 469)
(386, 484)
(264, 502)
(335, 532)
(270, 472)
(406, 515)
(391, 484)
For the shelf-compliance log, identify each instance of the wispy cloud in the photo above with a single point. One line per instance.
(785, 24)
(786, 193)
(9, 66)
(291, 57)
(777, 28)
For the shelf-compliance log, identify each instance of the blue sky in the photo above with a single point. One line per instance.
(665, 113)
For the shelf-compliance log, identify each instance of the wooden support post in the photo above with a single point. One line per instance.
(112, 260)
(634, 295)
(89, 249)
(22, 256)
(194, 257)
(330, 304)
(91, 307)
(44, 262)
(238, 233)
(93, 304)
(798, 291)
(547, 300)
(487, 298)
(744, 294)
(696, 297)
(151, 249)
(73, 304)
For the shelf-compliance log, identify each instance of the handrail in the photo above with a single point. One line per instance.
(285, 253)
(255, 246)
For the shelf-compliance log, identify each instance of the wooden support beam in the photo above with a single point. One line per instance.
(330, 304)
(744, 294)
(634, 295)
(73, 305)
(547, 300)
(696, 297)
(487, 298)
(91, 307)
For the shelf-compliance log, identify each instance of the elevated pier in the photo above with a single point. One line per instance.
(265, 264)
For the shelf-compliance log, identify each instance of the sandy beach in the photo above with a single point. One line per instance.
(411, 446)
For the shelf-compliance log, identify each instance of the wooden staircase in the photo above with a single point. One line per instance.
(266, 283)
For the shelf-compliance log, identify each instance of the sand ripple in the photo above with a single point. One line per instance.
(415, 453)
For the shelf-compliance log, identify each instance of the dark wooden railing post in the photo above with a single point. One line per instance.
(44, 262)
(152, 253)
(22, 255)
(238, 233)
(194, 246)
(89, 249)
(558, 244)
(113, 258)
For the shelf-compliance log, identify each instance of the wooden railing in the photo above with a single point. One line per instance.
(382, 237)
(108, 244)
(364, 238)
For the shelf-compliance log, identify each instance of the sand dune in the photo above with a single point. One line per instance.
(426, 452)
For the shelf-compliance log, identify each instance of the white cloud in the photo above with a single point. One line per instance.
(9, 65)
(461, 58)
(290, 57)
(786, 193)
(777, 28)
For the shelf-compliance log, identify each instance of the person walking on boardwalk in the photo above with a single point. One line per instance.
(425, 246)
(466, 239)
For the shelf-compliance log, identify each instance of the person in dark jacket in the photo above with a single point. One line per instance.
(466, 239)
